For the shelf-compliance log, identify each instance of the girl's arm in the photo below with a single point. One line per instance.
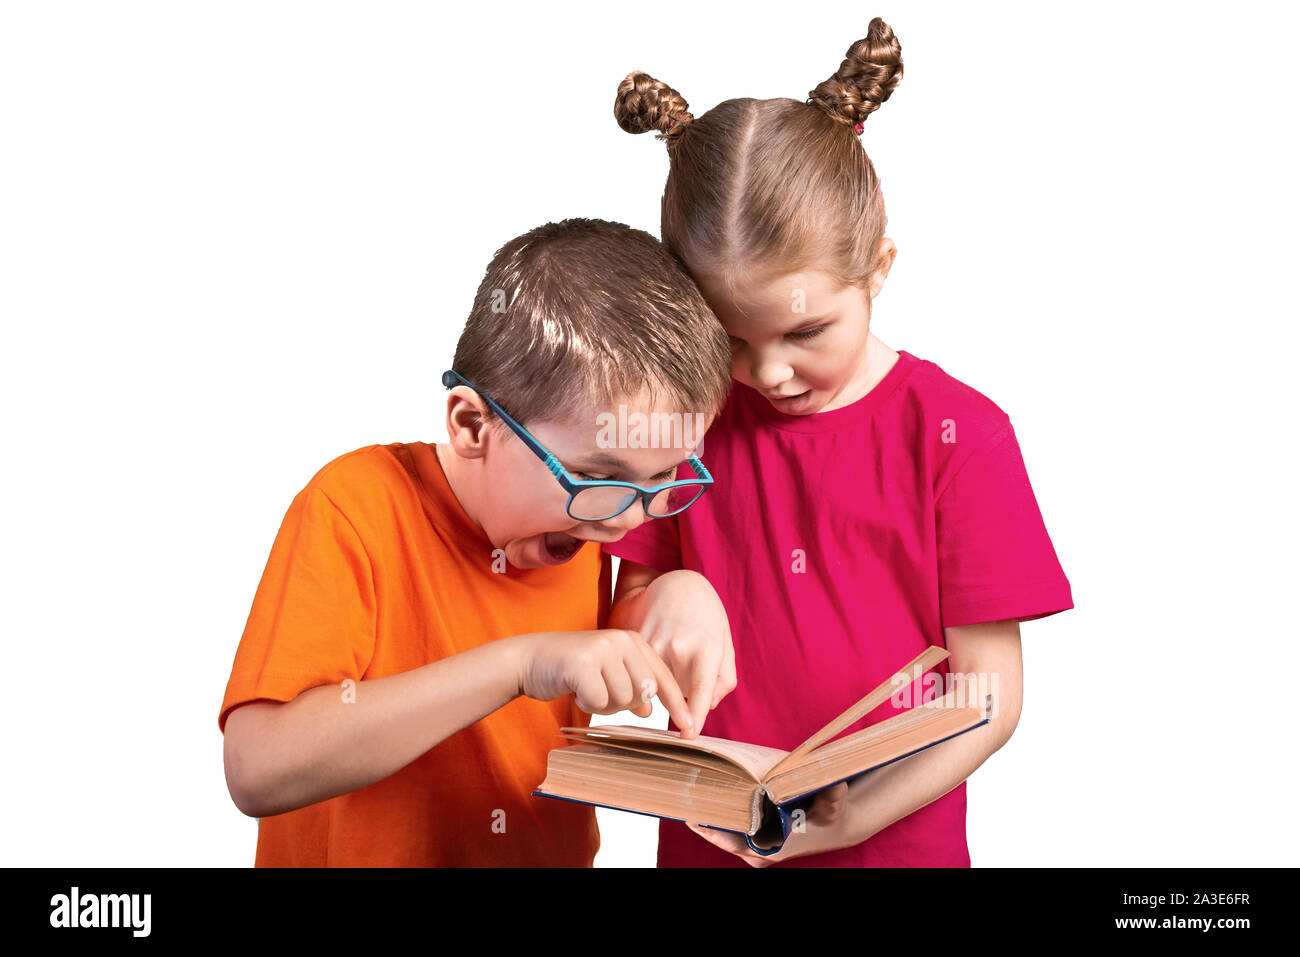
(876, 800)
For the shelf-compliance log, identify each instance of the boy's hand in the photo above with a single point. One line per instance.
(607, 670)
(686, 624)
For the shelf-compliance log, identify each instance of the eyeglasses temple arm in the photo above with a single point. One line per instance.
(451, 377)
(700, 470)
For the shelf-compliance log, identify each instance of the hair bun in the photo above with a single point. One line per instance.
(644, 104)
(870, 72)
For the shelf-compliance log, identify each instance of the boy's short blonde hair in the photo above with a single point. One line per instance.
(586, 309)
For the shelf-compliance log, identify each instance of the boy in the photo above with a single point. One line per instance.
(430, 617)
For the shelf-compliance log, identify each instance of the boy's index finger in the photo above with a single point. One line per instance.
(669, 692)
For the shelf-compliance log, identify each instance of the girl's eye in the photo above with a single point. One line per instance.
(590, 478)
(663, 477)
(808, 333)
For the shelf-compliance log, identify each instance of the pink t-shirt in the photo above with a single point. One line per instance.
(842, 544)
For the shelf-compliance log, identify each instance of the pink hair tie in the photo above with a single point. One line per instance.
(857, 128)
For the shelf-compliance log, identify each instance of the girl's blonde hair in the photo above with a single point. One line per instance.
(768, 187)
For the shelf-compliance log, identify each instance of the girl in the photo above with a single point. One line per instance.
(867, 504)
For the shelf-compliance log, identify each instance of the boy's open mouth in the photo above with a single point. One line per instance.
(561, 547)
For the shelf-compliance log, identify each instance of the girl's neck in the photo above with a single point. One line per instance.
(877, 360)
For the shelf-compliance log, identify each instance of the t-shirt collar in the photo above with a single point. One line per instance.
(836, 418)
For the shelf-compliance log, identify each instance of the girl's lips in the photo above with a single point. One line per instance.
(790, 404)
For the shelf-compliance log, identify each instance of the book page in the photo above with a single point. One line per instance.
(879, 744)
(754, 759)
(664, 751)
(651, 785)
(909, 673)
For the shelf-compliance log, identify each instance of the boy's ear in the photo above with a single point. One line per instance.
(466, 422)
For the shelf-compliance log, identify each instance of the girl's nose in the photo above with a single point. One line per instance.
(769, 373)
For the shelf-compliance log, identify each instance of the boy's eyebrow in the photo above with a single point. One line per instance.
(604, 458)
(613, 462)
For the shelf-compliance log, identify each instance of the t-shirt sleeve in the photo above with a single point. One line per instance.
(313, 616)
(996, 560)
(656, 543)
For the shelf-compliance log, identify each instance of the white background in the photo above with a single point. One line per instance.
(240, 239)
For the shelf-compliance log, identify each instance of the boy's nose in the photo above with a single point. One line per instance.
(628, 519)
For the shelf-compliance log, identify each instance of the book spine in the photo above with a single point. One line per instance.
(769, 819)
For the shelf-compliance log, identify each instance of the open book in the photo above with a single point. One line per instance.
(747, 788)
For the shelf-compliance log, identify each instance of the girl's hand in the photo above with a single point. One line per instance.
(686, 624)
(823, 831)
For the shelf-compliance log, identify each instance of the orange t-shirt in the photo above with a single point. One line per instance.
(377, 570)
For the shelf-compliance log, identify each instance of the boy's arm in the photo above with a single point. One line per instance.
(332, 739)
(684, 621)
(878, 799)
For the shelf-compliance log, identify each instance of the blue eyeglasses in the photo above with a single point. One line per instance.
(598, 500)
